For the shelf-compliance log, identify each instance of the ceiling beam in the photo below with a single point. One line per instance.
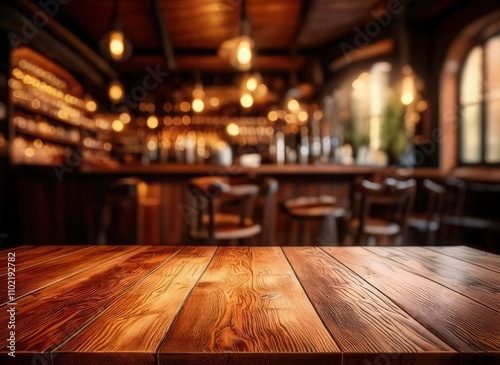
(305, 9)
(162, 29)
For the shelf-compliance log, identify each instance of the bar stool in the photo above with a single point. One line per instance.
(319, 208)
(210, 223)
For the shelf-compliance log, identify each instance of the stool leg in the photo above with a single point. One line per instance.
(329, 231)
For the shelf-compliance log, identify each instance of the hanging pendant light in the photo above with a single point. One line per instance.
(114, 44)
(240, 50)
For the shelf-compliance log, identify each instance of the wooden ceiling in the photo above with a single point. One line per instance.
(196, 28)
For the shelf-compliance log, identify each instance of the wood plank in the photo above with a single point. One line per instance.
(461, 322)
(248, 303)
(62, 309)
(51, 271)
(469, 254)
(154, 302)
(39, 254)
(361, 319)
(475, 282)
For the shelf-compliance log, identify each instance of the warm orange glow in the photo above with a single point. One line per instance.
(185, 106)
(116, 44)
(117, 125)
(198, 105)
(272, 116)
(91, 106)
(246, 100)
(293, 105)
(244, 54)
(214, 102)
(115, 91)
(125, 118)
(152, 122)
(232, 129)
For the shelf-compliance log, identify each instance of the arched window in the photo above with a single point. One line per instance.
(479, 128)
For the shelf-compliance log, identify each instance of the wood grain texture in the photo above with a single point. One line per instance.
(469, 254)
(475, 282)
(48, 272)
(137, 322)
(360, 318)
(39, 254)
(462, 323)
(65, 307)
(248, 302)
(255, 305)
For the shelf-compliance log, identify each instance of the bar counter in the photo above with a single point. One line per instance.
(251, 305)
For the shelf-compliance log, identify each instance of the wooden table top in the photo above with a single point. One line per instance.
(251, 305)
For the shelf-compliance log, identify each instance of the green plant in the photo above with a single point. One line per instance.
(393, 133)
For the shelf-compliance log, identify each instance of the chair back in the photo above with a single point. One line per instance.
(436, 201)
(120, 222)
(212, 197)
(395, 198)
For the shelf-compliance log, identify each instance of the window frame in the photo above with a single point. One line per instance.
(483, 103)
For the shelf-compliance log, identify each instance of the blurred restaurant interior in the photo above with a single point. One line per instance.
(255, 122)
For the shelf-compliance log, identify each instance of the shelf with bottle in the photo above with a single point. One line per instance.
(39, 127)
(29, 151)
(51, 116)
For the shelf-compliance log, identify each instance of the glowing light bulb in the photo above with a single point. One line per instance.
(251, 84)
(293, 105)
(246, 100)
(117, 125)
(152, 122)
(232, 129)
(91, 106)
(244, 52)
(198, 105)
(303, 116)
(407, 98)
(115, 91)
(272, 116)
(116, 44)
(125, 118)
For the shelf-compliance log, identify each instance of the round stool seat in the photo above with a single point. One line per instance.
(314, 208)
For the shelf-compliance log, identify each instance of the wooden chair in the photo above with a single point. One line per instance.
(381, 210)
(453, 215)
(120, 223)
(322, 208)
(429, 222)
(225, 212)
